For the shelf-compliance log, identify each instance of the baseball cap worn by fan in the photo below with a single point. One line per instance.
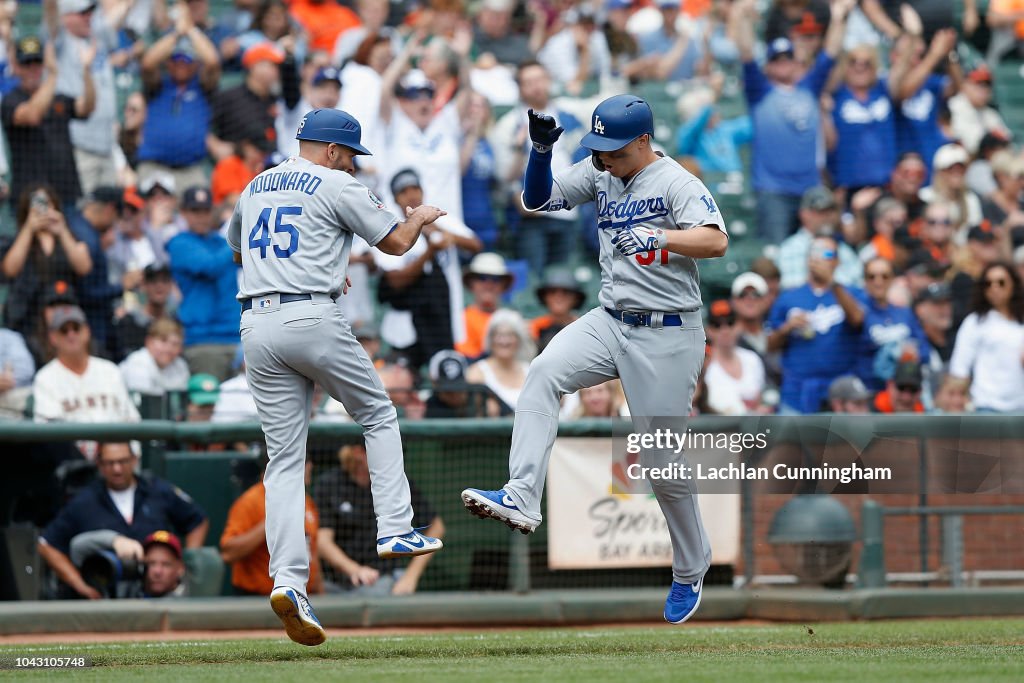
(60, 292)
(327, 74)
(982, 233)
(183, 51)
(414, 84)
(203, 389)
(935, 292)
(76, 6)
(488, 264)
(908, 373)
(67, 314)
(848, 388)
(165, 538)
(748, 280)
(197, 198)
(948, 156)
(262, 52)
(29, 50)
(818, 198)
(721, 311)
(448, 371)
(106, 194)
(561, 278)
(154, 271)
(165, 181)
(403, 180)
(780, 47)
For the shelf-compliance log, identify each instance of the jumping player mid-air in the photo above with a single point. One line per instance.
(654, 218)
(297, 221)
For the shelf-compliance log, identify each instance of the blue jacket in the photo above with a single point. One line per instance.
(159, 505)
(207, 276)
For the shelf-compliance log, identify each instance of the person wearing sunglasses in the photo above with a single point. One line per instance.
(862, 137)
(817, 328)
(949, 172)
(989, 350)
(819, 215)
(734, 375)
(902, 392)
(487, 278)
(890, 333)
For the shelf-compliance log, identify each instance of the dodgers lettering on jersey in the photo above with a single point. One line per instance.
(663, 195)
(293, 225)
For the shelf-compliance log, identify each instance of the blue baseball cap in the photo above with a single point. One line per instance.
(619, 4)
(327, 73)
(779, 47)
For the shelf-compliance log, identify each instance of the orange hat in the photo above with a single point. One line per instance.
(808, 26)
(132, 198)
(980, 74)
(261, 52)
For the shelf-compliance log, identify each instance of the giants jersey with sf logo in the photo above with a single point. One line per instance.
(663, 195)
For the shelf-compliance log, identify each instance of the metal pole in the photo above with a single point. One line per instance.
(922, 500)
(518, 563)
(871, 573)
(953, 548)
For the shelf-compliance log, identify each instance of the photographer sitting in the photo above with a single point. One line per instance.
(117, 566)
(121, 502)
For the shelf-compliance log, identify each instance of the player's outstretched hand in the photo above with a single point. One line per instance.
(544, 131)
(428, 214)
(638, 239)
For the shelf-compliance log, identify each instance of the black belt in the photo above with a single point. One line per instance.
(643, 318)
(285, 299)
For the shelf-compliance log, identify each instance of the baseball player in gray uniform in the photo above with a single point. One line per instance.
(654, 219)
(293, 228)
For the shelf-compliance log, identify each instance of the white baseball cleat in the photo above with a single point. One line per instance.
(407, 545)
(296, 614)
(497, 505)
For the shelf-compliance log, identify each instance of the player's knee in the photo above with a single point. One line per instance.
(375, 413)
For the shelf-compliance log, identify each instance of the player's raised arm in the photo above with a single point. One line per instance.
(544, 132)
(405, 234)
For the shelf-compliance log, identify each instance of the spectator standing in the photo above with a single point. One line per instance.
(36, 121)
(323, 21)
(248, 111)
(817, 327)
(1004, 206)
(819, 215)
(180, 73)
(980, 177)
(862, 142)
(919, 92)
(544, 238)
(784, 110)
(134, 247)
(373, 19)
(668, 54)
(94, 225)
(987, 353)
(479, 172)
(890, 334)
(424, 285)
(577, 51)
(420, 136)
(347, 535)
(321, 89)
(714, 142)
(119, 501)
(85, 39)
(487, 278)
(158, 367)
(734, 376)
(971, 111)
(205, 271)
(42, 253)
(494, 34)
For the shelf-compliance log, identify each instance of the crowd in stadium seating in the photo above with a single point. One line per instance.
(888, 194)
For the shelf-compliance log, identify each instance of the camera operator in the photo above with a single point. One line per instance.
(117, 566)
(122, 502)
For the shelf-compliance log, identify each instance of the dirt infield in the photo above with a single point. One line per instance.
(202, 636)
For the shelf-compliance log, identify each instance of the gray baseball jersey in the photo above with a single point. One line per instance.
(663, 195)
(299, 220)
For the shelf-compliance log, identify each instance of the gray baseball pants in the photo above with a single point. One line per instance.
(658, 367)
(287, 349)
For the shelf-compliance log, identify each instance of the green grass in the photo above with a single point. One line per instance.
(904, 651)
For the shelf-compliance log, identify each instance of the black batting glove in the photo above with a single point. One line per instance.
(544, 131)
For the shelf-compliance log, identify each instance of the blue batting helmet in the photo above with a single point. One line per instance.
(618, 121)
(332, 125)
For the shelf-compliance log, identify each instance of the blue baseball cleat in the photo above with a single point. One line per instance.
(497, 505)
(296, 614)
(408, 545)
(683, 601)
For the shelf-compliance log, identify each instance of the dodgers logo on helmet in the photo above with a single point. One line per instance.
(618, 121)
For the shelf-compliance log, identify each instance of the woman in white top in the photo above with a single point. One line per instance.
(734, 376)
(989, 348)
(509, 350)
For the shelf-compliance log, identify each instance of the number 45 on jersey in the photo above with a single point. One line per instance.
(259, 236)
